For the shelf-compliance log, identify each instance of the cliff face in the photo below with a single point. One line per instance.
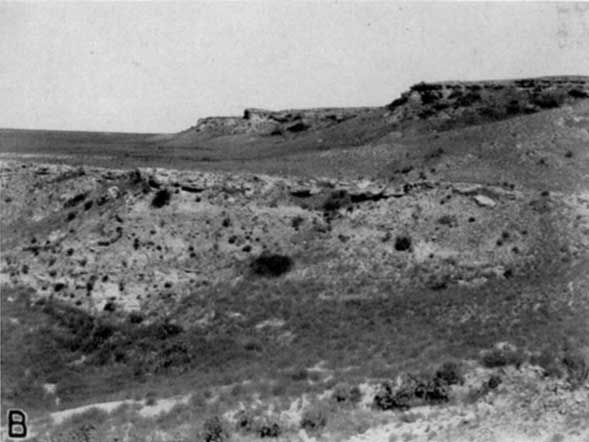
(447, 105)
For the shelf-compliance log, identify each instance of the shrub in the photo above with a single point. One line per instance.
(344, 393)
(549, 361)
(336, 200)
(576, 367)
(450, 373)
(548, 99)
(161, 198)
(388, 399)
(296, 222)
(494, 381)
(313, 418)
(135, 318)
(269, 430)
(448, 220)
(501, 356)
(150, 398)
(402, 243)
(578, 93)
(431, 390)
(300, 374)
(214, 431)
(87, 421)
(414, 390)
(245, 420)
(271, 265)
(84, 433)
(490, 384)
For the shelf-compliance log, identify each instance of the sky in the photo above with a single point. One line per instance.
(158, 67)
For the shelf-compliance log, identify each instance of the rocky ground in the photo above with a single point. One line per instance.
(98, 239)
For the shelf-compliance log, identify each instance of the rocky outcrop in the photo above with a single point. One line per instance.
(446, 105)
(284, 122)
(425, 106)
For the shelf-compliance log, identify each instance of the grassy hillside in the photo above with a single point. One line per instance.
(257, 268)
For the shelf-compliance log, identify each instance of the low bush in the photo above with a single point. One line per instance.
(548, 99)
(402, 243)
(501, 356)
(335, 201)
(250, 421)
(387, 398)
(576, 367)
(245, 420)
(161, 198)
(549, 361)
(448, 220)
(419, 389)
(299, 374)
(214, 430)
(313, 418)
(269, 430)
(432, 390)
(344, 393)
(271, 265)
(450, 373)
(494, 382)
(490, 384)
(578, 93)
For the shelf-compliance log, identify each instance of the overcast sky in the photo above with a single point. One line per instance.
(158, 67)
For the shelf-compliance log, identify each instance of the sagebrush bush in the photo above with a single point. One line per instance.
(161, 198)
(344, 393)
(269, 430)
(387, 398)
(502, 356)
(402, 243)
(418, 390)
(271, 265)
(214, 431)
(336, 200)
(314, 418)
(576, 367)
(450, 373)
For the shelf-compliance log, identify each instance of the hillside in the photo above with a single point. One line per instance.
(414, 271)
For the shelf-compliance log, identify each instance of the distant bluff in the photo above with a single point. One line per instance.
(267, 122)
(425, 106)
(446, 105)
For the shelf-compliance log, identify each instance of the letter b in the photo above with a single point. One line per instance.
(17, 424)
